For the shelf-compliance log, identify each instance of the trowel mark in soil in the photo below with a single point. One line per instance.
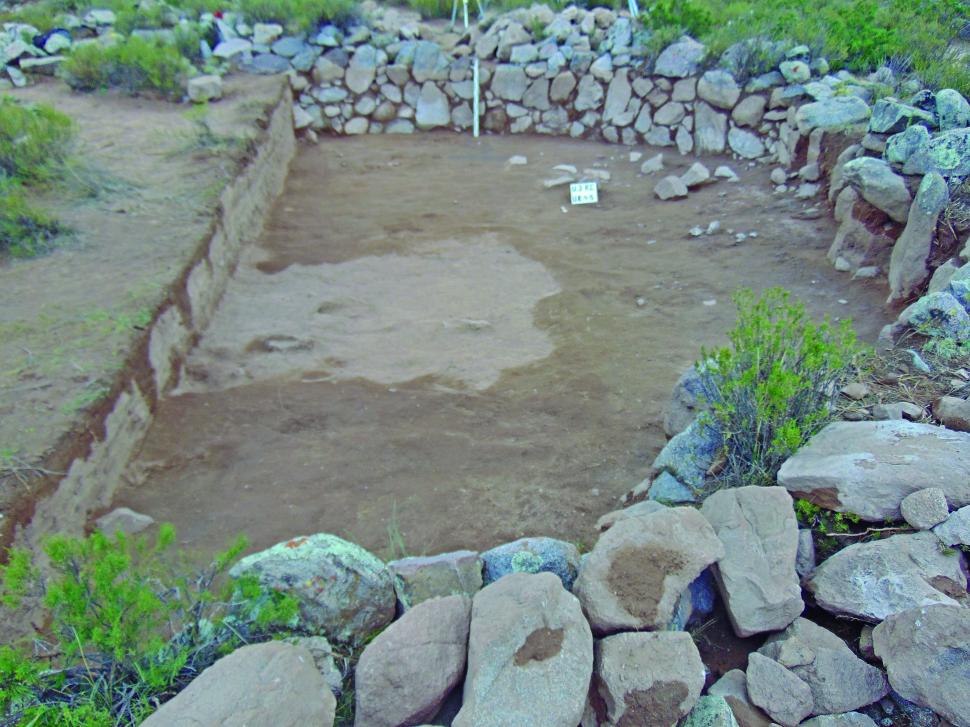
(637, 578)
(462, 311)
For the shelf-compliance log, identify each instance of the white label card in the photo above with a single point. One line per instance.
(583, 193)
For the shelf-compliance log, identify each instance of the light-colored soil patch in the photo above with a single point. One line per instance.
(68, 320)
(457, 310)
(383, 416)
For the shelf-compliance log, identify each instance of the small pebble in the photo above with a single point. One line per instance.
(710, 302)
(518, 161)
(696, 231)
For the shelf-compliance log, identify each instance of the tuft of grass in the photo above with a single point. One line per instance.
(25, 230)
(35, 140)
(134, 65)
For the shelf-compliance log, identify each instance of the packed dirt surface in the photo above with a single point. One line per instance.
(425, 340)
(138, 199)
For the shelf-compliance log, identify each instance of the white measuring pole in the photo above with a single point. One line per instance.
(475, 92)
(634, 10)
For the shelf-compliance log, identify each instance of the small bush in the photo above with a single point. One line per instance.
(35, 140)
(298, 15)
(686, 15)
(129, 631)
(133, 65)
(775, 385)
(25, 231)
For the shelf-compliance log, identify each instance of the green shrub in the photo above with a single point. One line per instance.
(35, 140)
(688, 16)
(129, 631)
(774, 386)
(25, 230)
(133, 65)
(298, 15)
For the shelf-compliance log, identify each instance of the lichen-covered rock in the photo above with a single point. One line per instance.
(404, 675)
(532, 555)
(680, 59)
(908, 264)
(689, 455)
(940, 310)
(952, 109)
(530, 655)
(343, 590)
(652, 680)
(947, 153)
(867, 468)
(782, 695)
(262, 684)
(638, 569)
(879, 185)
(832, 114)
(871, 581)
(756, 577)
(840, 681)
(417, 579)
(926, 652)
(889, 116)
(900, 147)
(710, 711)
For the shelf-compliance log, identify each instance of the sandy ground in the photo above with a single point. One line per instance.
(426, 340)
(68, 319)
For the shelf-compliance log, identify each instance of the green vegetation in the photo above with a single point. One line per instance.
(297, 15)
(128, 631)
(35, 142)
(775, 385)
(826, 526)
(859, 35)
(134, 64)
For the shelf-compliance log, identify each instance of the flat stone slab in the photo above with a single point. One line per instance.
(867, 468)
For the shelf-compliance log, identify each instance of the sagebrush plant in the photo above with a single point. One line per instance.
(775, 385)
(25, 230)
(133, 65)
(129, 630)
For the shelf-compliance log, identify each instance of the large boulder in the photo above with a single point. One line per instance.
(710, 129)
(867, 468)
(756, 576)
(871, 581)
(404, 674)
(342, 589)
(532, 555)
(686, 402)
(509, 82)
(846, 719)
(927, 654)
(782, 695)
(908, 264)
(638, 569)
(530, 655)
(832, 114)
(263, 684)
(879, 185)
(648, 680)
(419, 578)
(840, 681)
(942, 311)
(719, 88)
(433, 109)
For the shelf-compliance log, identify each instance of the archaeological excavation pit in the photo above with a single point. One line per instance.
(425, 341)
